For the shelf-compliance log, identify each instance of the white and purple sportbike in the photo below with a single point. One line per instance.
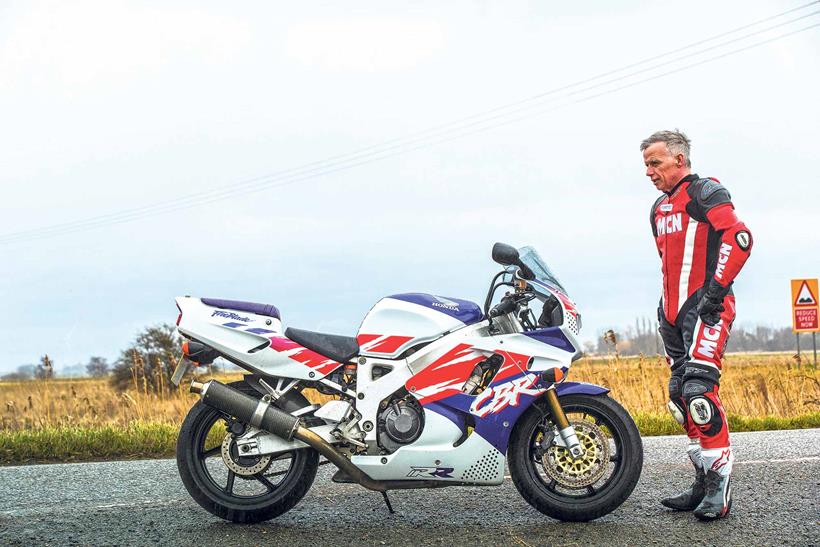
(432, 392)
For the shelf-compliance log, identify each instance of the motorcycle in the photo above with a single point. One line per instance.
(432, 392)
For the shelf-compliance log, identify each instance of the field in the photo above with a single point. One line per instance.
(64, 420)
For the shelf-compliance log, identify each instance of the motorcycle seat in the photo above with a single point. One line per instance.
(268, 310)
(339, 348)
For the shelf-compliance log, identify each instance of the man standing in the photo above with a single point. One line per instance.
(702, 246)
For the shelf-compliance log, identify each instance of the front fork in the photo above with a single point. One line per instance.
(565, 429)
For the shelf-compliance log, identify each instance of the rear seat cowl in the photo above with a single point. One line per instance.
(268, 310)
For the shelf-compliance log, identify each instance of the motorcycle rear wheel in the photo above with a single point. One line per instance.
(581, 491)
(276, 488)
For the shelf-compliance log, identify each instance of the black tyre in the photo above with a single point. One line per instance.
(587, 488)
(276, 485)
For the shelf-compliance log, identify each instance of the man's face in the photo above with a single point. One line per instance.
(662, 167)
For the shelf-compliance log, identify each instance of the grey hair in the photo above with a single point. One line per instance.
(676, 142)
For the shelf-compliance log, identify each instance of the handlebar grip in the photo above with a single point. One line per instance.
(503, 307)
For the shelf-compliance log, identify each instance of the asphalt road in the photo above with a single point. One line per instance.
(777, 501)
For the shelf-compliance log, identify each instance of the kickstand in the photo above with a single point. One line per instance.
(387, 501)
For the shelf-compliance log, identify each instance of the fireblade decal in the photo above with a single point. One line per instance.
(230, 315)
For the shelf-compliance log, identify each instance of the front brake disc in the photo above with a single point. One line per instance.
(560, 466)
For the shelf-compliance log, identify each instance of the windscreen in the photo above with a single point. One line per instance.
(533, 260)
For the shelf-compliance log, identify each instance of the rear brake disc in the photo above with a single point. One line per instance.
(244, 466)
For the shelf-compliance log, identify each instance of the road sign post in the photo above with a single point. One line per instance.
(805, 312)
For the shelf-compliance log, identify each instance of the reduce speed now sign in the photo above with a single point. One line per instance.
(804, 306)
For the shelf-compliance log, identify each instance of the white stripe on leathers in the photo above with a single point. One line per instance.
(686, 264)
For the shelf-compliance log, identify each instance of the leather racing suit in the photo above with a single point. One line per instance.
(702, 246)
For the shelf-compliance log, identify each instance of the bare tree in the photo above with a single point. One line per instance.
(147, 364)
(44, 369)
(97, 367)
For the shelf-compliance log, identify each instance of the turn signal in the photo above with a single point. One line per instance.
(552, 375)
(198, 353)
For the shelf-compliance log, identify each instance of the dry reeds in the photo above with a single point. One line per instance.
(752, 385)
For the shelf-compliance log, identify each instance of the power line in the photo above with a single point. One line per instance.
(325, 167)
(265, 181)
(229, 192)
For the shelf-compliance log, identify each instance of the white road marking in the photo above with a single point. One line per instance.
(758, 462)
(140, 503)
(786, 460)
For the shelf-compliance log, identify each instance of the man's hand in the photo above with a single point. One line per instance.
(711, 304)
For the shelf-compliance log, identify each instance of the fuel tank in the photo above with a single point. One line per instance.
(400, 322)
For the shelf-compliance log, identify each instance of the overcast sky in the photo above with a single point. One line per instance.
(110, 106)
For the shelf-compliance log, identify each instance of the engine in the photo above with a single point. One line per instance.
(400, 423)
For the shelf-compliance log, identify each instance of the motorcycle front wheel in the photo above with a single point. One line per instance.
(233, 487)
(576, 489)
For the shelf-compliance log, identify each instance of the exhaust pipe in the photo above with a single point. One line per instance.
(267, 417)
(258, 413)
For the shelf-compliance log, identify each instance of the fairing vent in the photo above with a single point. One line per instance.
(572, 324)
(484, 470)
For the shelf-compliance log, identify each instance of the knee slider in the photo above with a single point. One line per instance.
(701, 410)
(704, 413)
(677, 412)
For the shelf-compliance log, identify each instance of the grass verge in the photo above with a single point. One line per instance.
(83, 443)
(158, 440)
(656, 423)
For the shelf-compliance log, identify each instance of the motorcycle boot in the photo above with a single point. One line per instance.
(718, 499)
(690, 498)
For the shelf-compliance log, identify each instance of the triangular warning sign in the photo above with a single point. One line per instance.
(805, 297)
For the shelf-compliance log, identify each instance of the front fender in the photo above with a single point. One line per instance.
(579, 388)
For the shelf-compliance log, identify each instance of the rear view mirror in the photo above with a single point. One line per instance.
(507, 255)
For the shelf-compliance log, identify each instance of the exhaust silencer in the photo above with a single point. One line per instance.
(244, 407)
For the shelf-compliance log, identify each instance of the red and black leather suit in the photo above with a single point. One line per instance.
(702, 246)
